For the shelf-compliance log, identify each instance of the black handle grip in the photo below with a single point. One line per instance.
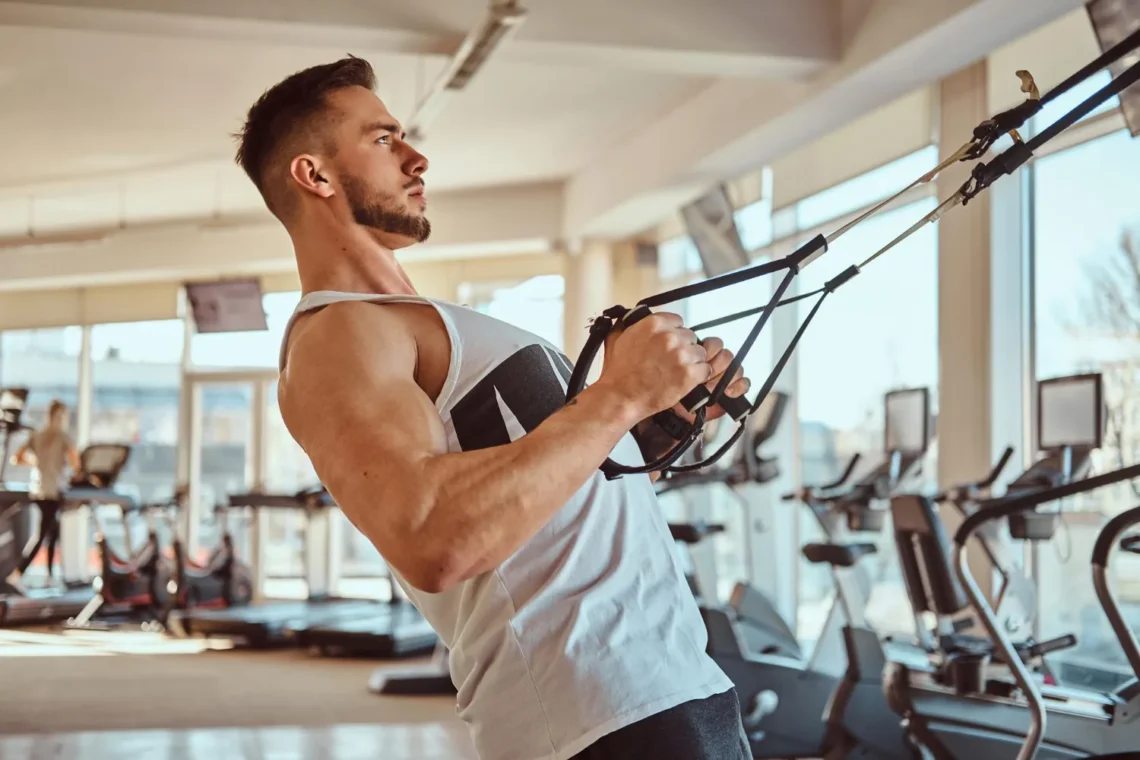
(997, 470)
(736, 407)
(693, 533)
(1130, 544)
(1042, 648)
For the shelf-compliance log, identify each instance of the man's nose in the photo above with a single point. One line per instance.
(416, 164)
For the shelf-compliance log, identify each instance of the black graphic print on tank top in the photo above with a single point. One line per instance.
(529, 385)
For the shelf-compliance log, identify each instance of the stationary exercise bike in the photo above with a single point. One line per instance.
(801, 708)
(135, 583)
(222, 581)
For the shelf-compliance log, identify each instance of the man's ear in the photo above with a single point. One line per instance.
(306, 170)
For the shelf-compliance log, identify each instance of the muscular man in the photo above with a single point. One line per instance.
(445, 437)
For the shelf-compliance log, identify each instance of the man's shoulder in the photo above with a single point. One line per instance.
(345, 337)
(346, 327)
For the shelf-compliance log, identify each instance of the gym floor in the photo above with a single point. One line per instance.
(96, 696)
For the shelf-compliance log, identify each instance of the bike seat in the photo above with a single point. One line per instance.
(692, 533)
(837, 555)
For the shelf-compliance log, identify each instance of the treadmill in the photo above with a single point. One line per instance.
(92, 486)
(396, 629)
(275, 623)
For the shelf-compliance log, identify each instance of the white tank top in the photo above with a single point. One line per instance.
(590, 625)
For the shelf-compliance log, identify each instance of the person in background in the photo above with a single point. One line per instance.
(50, 450)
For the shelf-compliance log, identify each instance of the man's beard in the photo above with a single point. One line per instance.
(381, 213)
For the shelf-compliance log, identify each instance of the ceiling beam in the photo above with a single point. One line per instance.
(737, 126)
(733, 38)
(102, 18)
(491, 221)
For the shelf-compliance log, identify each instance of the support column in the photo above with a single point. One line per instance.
(75, 525)
(588, 273)
(635, 273)
(964, 309)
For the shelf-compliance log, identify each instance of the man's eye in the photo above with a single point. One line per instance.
(385, 139)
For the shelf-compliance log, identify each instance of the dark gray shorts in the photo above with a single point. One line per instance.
(704, 729)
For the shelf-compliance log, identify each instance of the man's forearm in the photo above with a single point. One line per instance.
(484, 505)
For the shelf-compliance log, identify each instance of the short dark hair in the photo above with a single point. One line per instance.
(287, 116)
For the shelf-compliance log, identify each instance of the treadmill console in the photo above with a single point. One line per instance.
(100, 465)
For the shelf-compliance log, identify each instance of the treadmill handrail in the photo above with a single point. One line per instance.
(1105, 541)
(259, 500)
(995, 509)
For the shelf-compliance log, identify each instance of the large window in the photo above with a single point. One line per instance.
(258, 348)
(46, 361)
(535, 305)
(878, 332)
(136, 374)
(1087, 310)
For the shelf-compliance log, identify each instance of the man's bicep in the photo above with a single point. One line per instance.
(354, 406)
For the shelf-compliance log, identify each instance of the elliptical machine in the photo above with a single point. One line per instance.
(794, 707)
(967, 711)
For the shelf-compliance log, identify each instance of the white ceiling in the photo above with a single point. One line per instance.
(599, 117)
(122, 110)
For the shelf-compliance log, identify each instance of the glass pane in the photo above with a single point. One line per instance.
(876, 333)
(1073, 98)
(754, 224)
(248, 349)
(535, 305)
(227, 427)
(287, 469)
(136, 373)
(676, 258)
(715, 503)
(865, 189)
(1087, 282)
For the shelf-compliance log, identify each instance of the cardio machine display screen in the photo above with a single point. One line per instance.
(907, 422)
(1069, 412)
(12, 400)
(103, 460)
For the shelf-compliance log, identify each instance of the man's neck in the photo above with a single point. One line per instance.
(349, 261)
